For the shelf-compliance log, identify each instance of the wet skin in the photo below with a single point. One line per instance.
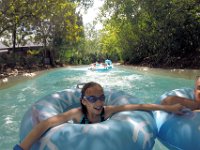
(197, 91)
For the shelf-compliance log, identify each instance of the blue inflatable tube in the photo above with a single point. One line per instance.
(123, 131)
(179, 132)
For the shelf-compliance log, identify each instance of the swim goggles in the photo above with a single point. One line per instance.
(93, 99)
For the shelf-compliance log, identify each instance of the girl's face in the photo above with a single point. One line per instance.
(94, 99)
(197, 90)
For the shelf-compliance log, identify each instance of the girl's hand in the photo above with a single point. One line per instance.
(176, 108)
(198, 110)
(170, 100)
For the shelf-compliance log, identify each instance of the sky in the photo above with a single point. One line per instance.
(92, 13)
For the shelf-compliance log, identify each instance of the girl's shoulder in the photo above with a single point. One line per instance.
(108, 111)
(74, 114)
(75, 110)
(77, 114)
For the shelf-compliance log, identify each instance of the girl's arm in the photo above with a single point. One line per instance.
(170, 108)
(198, 110)
(43, 126)
(171, 100)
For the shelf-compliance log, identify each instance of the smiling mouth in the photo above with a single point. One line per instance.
(98, 108)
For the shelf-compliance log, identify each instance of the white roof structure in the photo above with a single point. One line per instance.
(30, 44)
(3, 48)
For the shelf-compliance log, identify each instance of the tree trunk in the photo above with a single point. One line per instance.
(14, 38)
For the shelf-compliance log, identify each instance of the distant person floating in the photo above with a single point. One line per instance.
(98, 66)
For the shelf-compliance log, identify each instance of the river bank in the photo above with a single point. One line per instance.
(11, 80)
(14, 78)
(11, 77)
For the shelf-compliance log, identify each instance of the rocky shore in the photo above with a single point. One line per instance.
(12, 77)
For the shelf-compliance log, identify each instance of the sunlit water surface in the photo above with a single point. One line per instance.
(14, 101)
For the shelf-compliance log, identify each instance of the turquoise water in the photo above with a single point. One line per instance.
(14, 101)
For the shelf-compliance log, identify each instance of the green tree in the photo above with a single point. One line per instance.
(156, 30)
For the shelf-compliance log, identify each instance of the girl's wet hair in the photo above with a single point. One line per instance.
(197, 77)
(85, 87)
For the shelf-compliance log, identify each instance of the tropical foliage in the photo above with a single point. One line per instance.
(54, 24)
(154, 32)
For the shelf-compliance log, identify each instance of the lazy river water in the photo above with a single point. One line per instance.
(143, 83)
